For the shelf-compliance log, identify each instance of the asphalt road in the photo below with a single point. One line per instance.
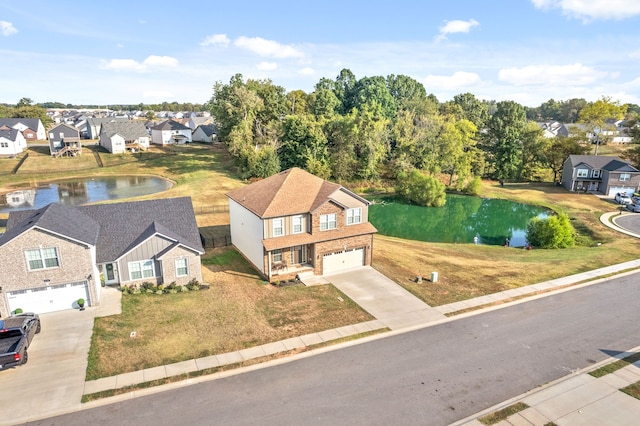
(432, 376)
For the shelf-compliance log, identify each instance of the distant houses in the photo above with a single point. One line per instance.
(120, 136)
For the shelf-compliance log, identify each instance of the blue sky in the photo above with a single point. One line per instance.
(114, 52)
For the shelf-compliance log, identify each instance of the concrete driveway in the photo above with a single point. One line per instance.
(52, 382)
(384, 299)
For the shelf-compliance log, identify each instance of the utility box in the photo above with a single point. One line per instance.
(434, 277)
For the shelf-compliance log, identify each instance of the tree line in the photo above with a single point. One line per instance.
(372, 128)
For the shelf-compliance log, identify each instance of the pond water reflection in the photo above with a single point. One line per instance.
(82, 191)
(462, 219)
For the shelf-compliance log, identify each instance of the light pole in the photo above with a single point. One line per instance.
(596, 131)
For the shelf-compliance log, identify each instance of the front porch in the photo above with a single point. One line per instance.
(286, 263)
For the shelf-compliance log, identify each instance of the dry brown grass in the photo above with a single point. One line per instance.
(467, 270)
(238, 311)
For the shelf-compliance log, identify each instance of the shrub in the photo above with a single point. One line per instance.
(553, 232)
(421, 189)
(18, 311)
(474, 186)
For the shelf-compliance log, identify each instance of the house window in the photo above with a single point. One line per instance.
(296, 224)
(4, 144)
(182, 268)
(42, 258)
(354, 216)
(597, 173)
(625, 176)
(583, 173)
(277, 255)
(141, 269)
(278, 227)
(51, 135)
(328, 221)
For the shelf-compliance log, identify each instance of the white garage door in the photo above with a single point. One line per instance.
(342, 260)
(49, 299)
(613, 191)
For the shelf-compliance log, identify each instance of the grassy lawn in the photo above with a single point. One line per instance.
(238, 311)
(468, 270)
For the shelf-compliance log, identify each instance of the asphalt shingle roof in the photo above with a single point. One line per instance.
(292, 191)
(602, 162)
(114, 228)
(129, 130)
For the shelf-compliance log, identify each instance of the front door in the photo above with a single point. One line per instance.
(298, 254)
(110, 272)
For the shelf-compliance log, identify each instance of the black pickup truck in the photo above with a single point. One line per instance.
(16, 334)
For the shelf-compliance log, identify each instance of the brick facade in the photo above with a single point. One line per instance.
(75, 264)
(333, 246)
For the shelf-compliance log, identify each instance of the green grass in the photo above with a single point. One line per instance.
(616, 365)
(505, 413)
(632, 390)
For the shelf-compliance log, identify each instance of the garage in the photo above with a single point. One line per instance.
(50, 298)
(614, 190)
(340, 260)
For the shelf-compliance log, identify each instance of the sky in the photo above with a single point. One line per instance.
(117, 52)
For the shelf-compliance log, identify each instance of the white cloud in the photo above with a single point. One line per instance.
(7, 28)
(635, 54)
(456, 26)
(589, 10)
(268, 48)
(307, 71)
(152, 61)
(163, 61)
(551, 75)
(457, 80)
(216, 40)
(267, 66)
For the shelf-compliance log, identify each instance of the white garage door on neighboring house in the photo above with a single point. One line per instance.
(49, 299)
(338, 261)
(613, 191)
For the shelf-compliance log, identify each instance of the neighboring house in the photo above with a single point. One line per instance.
(194, 122)
(294, 222)
(551, 129)
(205, 133)
(170, 132)
(94, 125)
(120, 136)
(55, 255)
(24, 198)
(12, 142)
(64, 139)
(31, 128)
(604, 174)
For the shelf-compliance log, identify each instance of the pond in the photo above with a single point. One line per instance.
(82, 191)
(463, 219)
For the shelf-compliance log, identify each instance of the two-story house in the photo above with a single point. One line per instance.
(170, 132)
(294, 222)
(55, 255)
(121, 136)
(64, 139)
(603, 174)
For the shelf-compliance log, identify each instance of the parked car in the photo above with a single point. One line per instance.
(16, 334)
(634, 207)
(623, 198)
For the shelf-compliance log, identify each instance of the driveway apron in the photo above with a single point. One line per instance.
(384, 299)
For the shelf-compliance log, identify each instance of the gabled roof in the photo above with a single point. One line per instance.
(67, 126)
(602, 162)
(129, 130)
(292, 191)
(124, 225)
(59, 219)
(10, 134)
(115, 229)
(170, 125)
(207, 129)
(32, 123)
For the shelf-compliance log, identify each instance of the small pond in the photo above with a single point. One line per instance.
(463, 219)
(82, 191)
